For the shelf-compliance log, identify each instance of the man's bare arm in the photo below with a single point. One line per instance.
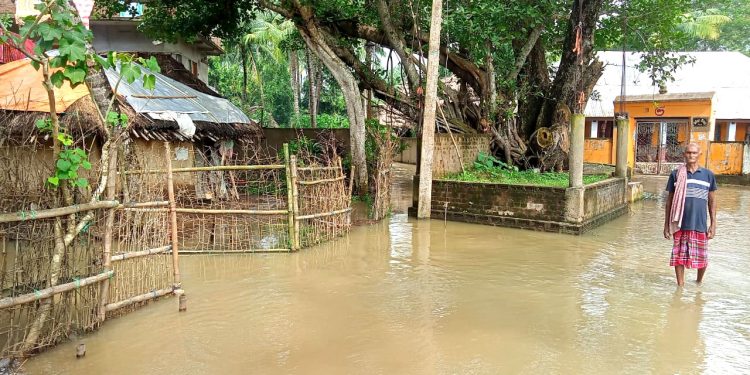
(667, 219)
(712, 214)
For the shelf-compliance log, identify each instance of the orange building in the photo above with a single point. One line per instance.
(706, 104)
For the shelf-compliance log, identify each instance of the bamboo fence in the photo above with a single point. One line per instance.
(128, 254)
(116, 261)
(268, 204)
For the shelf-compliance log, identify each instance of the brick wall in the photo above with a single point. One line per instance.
(530, 207)
(445, 158)
(604, 196)
(518, 201)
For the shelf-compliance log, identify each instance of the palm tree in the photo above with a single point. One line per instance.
(703, 24)
(266, 34)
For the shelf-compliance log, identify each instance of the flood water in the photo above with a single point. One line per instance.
(428, 297)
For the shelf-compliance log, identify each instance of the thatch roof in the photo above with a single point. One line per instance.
(80, 120)
(143, 127)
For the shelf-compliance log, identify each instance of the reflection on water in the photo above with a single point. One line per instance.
(428, 297)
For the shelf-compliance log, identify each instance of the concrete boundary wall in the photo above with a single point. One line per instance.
(551, 209)
(446, 160)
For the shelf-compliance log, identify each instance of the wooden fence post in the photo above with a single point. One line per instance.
(289, 197)
(177, 284)
(295, 201)
(108, 231)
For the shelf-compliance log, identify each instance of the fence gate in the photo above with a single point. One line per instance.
(659, 145)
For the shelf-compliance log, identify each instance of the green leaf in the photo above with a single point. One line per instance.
(44, 124)
(73, 50)
(149, 82)
(63, 17)
(63, 165)
(75, 159)
(76, 75)
(152, 65)
(102, 62)
(54, 181)
(86, 164)
(57, 78)
(48, 32)
(58, 62)
(127, 72)
(123, 119)
(65, 139)
(112, 118)
(82, 182)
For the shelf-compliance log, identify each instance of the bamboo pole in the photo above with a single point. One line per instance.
(173, 219)
(308, 169)
(144, 204)
(295, 201)
(108, 229)
(453, 140)
(51, 291)
(146, 209)
(229, 211)
(351, 185)
(141, 298)
(238, 251)
(210, 169)
(137, 254)
(315, 182)
(56, 212)
(324, 214)
(289, 195)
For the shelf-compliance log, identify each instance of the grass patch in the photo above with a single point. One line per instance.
(503, 176)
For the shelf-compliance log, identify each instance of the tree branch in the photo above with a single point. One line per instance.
(397, 43)
(525, 50)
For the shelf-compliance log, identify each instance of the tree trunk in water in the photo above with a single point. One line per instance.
(316, 40)
(428, 124)
(294, 73)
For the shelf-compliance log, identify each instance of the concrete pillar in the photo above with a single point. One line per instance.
(623, 135)
(575, 156)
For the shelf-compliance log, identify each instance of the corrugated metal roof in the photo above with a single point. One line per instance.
(725, 73)
(172, 96)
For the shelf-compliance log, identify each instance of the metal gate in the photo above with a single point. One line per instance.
(659, 145)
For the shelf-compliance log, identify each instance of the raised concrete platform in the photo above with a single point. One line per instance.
(551, 209)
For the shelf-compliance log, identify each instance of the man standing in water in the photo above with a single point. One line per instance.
(691, 198)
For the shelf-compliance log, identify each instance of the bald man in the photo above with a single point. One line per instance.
(692, 233)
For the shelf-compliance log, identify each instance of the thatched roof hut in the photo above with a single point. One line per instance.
(23, 102)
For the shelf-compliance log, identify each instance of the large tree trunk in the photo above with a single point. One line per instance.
(316, 39)
(576, 76)
(428, 125)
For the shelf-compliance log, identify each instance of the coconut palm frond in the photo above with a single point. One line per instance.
(704, 24)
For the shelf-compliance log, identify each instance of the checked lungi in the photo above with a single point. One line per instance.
(689, 249)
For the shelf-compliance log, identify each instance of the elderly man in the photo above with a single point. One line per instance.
(691, 200)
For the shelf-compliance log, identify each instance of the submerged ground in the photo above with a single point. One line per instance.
(429, 297)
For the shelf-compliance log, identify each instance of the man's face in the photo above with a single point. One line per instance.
(691, 154)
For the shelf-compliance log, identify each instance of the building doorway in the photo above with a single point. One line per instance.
(659, 145)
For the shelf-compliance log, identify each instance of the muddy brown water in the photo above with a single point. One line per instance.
(428, 297)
